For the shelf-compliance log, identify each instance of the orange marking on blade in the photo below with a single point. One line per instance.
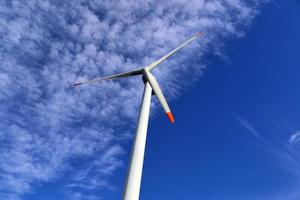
(199, 34)
(171, 117)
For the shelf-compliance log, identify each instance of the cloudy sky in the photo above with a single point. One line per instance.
(233, 92)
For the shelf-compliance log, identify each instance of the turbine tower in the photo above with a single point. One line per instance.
(133, 181)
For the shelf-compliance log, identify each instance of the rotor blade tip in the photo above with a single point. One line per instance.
(77, 84)
(199, 34)
(170, 117)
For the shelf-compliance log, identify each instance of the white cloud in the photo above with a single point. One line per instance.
(295, 138)
(48, 45)
(285, 148)
(249, 127)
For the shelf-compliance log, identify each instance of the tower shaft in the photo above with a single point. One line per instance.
(133, 182)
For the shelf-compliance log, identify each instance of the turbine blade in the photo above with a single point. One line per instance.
(157, 62)
(157, 91)
(122, 75)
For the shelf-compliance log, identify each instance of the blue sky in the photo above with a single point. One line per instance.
(234, 95)
(232, 135)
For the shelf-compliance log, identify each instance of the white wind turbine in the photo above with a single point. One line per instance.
(133, 182)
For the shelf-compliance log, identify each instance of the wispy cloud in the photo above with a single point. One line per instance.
(48, 45)
(295, 138)
(249, 127)
(282, 145)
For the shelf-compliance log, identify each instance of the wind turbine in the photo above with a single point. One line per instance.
(133, 182)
